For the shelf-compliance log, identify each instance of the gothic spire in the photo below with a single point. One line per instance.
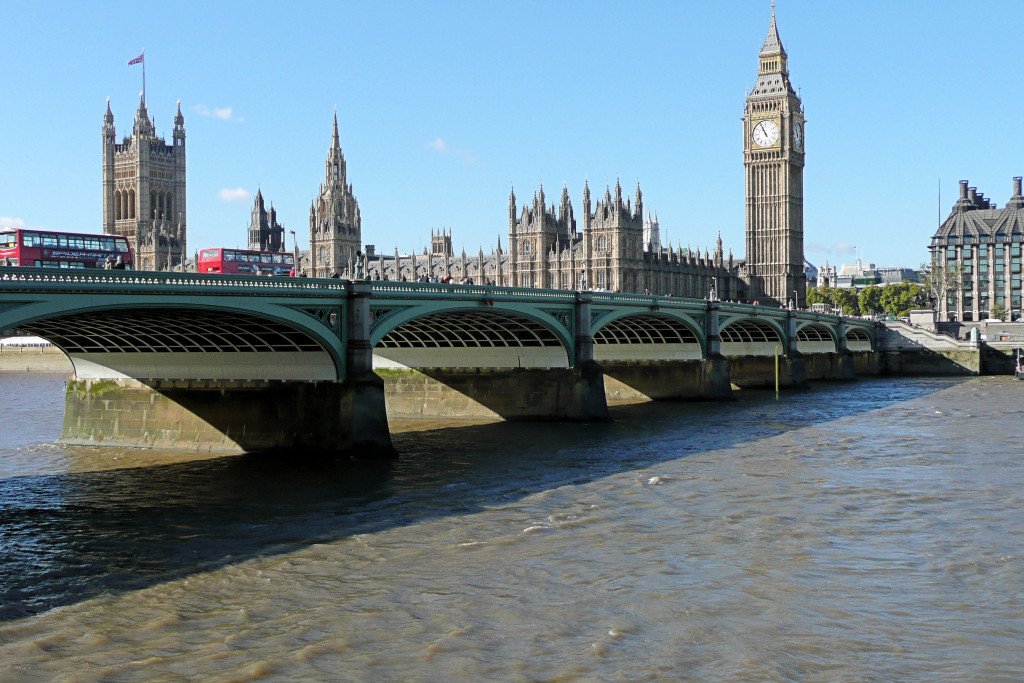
(108, 118)
(335, 142)
(772, 43)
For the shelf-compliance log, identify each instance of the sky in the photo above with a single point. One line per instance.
(443, 107)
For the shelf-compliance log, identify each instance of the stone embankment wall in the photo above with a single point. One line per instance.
(908, 350)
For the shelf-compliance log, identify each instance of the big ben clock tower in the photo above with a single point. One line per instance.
(773, 158)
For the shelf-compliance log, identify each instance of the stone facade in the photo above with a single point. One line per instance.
(265, 233)
(144, 190)
(773, 157)
(983, 243)
(335, 225)
(616, 250)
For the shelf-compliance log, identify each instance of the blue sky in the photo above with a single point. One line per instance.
(443, 106)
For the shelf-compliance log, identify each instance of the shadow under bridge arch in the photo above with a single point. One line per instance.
(482, 363)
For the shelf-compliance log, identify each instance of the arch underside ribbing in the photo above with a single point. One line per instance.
(184, 343)
(815, 338)
(470, 338)
(646, 337)
(858, 340)
(750, 337)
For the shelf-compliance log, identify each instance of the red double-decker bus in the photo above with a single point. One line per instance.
(246, 262)
(46, 249)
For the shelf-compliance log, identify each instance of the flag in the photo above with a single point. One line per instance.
(138, 59)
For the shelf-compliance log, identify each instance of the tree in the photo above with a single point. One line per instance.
(819, 295)
(998, 311)
(846, 299)
(938, 280)
(898, 299)
(869, 301)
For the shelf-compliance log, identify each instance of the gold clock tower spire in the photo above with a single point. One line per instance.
(773, 158)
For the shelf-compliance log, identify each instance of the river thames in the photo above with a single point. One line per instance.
(864, 531)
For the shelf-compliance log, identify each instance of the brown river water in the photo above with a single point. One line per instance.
(864, 531)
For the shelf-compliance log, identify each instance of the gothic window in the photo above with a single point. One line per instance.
(131, 203)
(322, 255)
(602, 244)
(152, 205)
(117, 206)
(527, 250)
(602, 279)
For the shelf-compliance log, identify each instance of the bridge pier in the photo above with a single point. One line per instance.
(230, 416)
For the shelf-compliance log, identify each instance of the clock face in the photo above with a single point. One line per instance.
(766, 133)
(798, 135)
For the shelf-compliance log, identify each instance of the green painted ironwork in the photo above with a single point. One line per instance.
(317, 307)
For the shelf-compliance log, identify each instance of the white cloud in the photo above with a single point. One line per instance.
(11, 222)
(222, 113)
(442, 147)
(837, 249)
(238, 194)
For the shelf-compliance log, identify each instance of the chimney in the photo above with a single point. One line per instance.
(963, 189)
(1016, 186)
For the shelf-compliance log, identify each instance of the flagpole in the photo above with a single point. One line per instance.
(143, 75)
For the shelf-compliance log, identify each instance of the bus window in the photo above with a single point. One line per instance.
(92, 243)
(76, 242)
(48, 240)
(209, 253)
(62, 240)
(107, 244)
(122, 245)
(30, 239)
(7, 240)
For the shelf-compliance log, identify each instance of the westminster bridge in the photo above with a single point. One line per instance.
(230, 363)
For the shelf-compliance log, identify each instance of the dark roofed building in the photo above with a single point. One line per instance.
(984, 242)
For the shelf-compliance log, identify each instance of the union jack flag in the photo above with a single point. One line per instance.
(138, 59)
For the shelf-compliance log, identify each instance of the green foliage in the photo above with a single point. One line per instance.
(898, 299)
(892, 299)
(845, 299)
(998, 311)
(869, 301)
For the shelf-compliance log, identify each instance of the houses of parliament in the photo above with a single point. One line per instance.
(612, 246)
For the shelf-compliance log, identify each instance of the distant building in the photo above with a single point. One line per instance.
(265, 233)
(983, 244)
(144, 190)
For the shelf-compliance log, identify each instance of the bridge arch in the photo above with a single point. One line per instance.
(147, 338)
(470, 337)
(815, 337)
(647, 336)
(751, 337)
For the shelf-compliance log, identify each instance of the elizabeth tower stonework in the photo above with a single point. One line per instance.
(773, 158)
